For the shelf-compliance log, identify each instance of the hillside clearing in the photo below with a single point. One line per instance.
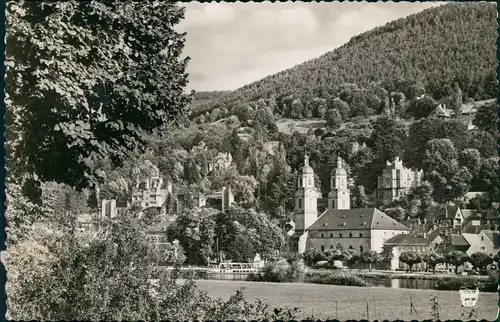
(301, 126)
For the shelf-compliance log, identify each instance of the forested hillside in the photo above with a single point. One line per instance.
(369, 122)
(433, 51)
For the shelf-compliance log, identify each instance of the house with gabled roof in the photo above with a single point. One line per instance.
(221, 162)
(361, 229)
(453, 242)
(447, 217)
(491, 216)
(416, 241)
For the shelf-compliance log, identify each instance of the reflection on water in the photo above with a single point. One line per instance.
(403, 283)
(378, 282)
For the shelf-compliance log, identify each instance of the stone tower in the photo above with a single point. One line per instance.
(306, 199)
(339, 196)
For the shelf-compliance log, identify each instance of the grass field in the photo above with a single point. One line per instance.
(318, 301)
(301, 126)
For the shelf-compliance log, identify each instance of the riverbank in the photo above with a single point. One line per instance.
(400, 275)
(349, 303)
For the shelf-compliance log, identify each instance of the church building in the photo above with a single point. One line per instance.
(359, 229)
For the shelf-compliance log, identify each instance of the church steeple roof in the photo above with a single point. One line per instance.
(307, 169)
(340, 170)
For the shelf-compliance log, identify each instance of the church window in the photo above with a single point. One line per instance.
(331, 235)
(350, 247)
(322, 248)
(360, 249)
(482, 238)
(360, 235)
(322, 235)
(331, 246)
(300, 202)
(350, 234)
(309, 181)
(340, 235)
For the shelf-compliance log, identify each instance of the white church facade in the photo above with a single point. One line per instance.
(360, 229)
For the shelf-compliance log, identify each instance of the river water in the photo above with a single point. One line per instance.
(377, 282)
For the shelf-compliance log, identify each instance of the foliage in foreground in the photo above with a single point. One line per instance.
(108, 275)
(108, 73)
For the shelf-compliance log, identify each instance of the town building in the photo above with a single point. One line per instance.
(416, 242)
(442, 111)
(157, 234)
(447, 217)
(221, 162)
(360, 229)
(491, 217)
(150, 190)
(484, 242)
(453, 242)
(397, 181)
(220, 200)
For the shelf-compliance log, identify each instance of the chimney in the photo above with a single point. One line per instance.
(112, 208)
(108, 208)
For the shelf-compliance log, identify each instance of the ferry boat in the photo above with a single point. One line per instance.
(228, 267)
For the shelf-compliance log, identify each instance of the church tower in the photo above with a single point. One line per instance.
(339, 196)
(306, 199)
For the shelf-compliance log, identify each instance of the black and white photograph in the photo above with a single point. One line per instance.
(247, 161)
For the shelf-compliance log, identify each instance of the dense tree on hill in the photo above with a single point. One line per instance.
(457, 101)
(194, 229)
(360, 200)
(387, 141)
(420, 200)
(427, 39)
(333, 119)
(471, 159)
(244, 232)
(440, 165)
(428, 129)
(488, 177)
(486, 118)
(485, 142)
(421, 107)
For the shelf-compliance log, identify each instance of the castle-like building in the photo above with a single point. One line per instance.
(396, 181)
(359, 229)
(150, 190)
(221, 162)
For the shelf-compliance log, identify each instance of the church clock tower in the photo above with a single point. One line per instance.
(339, 196)
(306, 199)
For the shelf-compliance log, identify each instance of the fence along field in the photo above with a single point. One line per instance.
(344, 302)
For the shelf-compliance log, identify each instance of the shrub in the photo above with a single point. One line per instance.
(280, 271)
(491, 285)
(84, 278)
(458, 283)
(338, 279)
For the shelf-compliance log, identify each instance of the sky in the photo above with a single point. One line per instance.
(234, 44)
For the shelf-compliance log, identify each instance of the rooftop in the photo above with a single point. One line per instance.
(447, 211)
(492, 236)
(459, 240)
(360, 218)
(414, 239)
